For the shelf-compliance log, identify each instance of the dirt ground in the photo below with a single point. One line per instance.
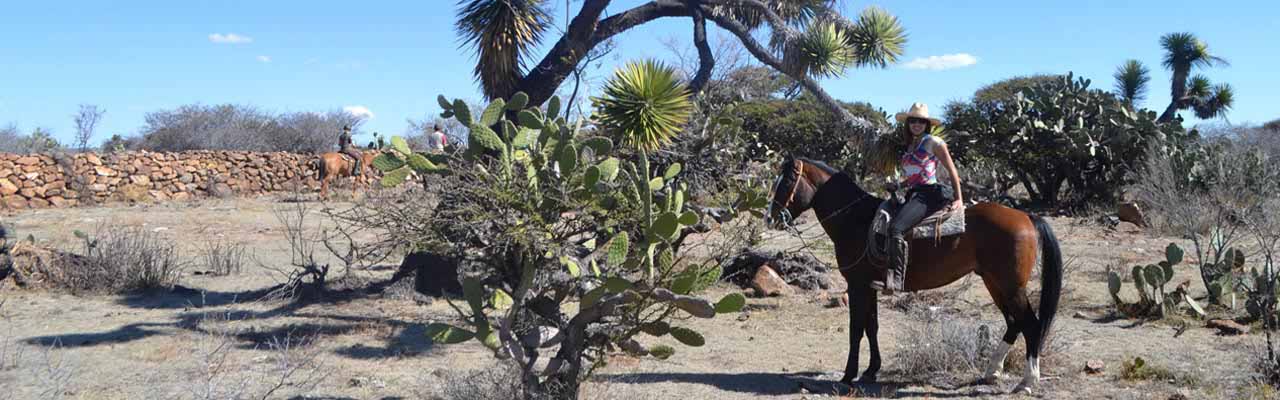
(207, 343)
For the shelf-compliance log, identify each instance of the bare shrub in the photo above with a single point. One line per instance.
(116, 260)
(499, 382)
(223, 258)
(305, 275)
(291, 368)
(240, 127)
(937, 345)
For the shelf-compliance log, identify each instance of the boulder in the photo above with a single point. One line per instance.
(7, 187)
(1130, 212)
(221, 190)
(767, 283)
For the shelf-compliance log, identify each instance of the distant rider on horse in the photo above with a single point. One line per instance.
(345, 147)
(925, 196)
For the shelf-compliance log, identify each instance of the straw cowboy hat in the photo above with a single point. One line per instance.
(918, 110)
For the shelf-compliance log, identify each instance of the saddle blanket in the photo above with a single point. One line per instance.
(937, 225)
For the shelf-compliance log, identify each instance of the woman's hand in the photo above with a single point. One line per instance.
(957, 205)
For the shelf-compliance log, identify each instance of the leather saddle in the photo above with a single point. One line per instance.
(940, 224)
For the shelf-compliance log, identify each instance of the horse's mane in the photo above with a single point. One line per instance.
(821, 165)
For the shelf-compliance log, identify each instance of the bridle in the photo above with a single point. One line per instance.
(785, 213)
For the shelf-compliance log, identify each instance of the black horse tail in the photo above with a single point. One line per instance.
(318, 164)
(1050, 275)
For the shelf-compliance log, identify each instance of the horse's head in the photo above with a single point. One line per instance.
(793, 191)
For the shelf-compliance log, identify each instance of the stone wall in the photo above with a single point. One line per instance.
(66, 179)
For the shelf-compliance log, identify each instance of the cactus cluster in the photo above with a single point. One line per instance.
(398, 161)
(1149, 281)
(630, 276)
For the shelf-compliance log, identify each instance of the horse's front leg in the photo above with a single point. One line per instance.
(873, 341)
(857, 325)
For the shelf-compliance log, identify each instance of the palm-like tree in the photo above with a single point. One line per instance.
(647, 105)
(1131, 82)
(805, 39)
(502, 33)
(1184, 52)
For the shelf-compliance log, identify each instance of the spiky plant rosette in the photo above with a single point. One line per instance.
(503, 34)
(646, 103)
(822, 51)
(877, 39)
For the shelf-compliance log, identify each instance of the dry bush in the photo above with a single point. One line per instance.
(118, 260)
(937, 345)
(223, 258)
(499, 382)
(216, 370)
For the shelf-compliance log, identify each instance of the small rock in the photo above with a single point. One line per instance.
(1083, 315)
(1094, 367)
(1178, 396)
(1227, 327)
(767, 283)
(1127, 227)
(838, 301)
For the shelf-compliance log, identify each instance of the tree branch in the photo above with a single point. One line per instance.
(585, 32)
(864, 132)
(706, 61)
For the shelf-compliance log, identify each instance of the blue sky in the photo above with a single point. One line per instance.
(393, 57)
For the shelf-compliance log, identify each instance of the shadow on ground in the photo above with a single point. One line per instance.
(779, 384)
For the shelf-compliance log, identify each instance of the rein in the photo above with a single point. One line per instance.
(800, 233)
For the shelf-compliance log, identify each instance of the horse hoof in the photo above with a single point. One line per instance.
(1022, 388)
(847, 380)
(989, 379)
(867, 378)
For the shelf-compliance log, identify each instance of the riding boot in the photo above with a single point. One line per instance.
(897, 272)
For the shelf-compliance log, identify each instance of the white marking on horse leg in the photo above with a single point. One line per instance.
(997, 360)
(1031, 377)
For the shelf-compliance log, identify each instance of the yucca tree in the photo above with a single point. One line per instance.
(807, 39)
(1131, 82)
(647, 105)
(1183, 53)
(502, 32)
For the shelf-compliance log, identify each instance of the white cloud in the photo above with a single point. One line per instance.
(264, 59)
(359, 111)
(938, 63)
(229, 38)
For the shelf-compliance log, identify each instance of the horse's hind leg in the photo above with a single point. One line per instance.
(1019, 318)
(1031, 332)
(996, 364)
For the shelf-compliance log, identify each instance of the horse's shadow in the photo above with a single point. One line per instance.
(781, 384)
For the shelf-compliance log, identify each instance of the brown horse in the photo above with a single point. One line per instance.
(332, 165)
(1000, 244)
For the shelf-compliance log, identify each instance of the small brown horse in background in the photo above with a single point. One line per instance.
(1000, 244)
(333, 165)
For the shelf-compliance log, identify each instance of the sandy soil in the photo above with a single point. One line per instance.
(206, 342)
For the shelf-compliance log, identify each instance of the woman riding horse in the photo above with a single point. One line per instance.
(925, 196)
(999, 244)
